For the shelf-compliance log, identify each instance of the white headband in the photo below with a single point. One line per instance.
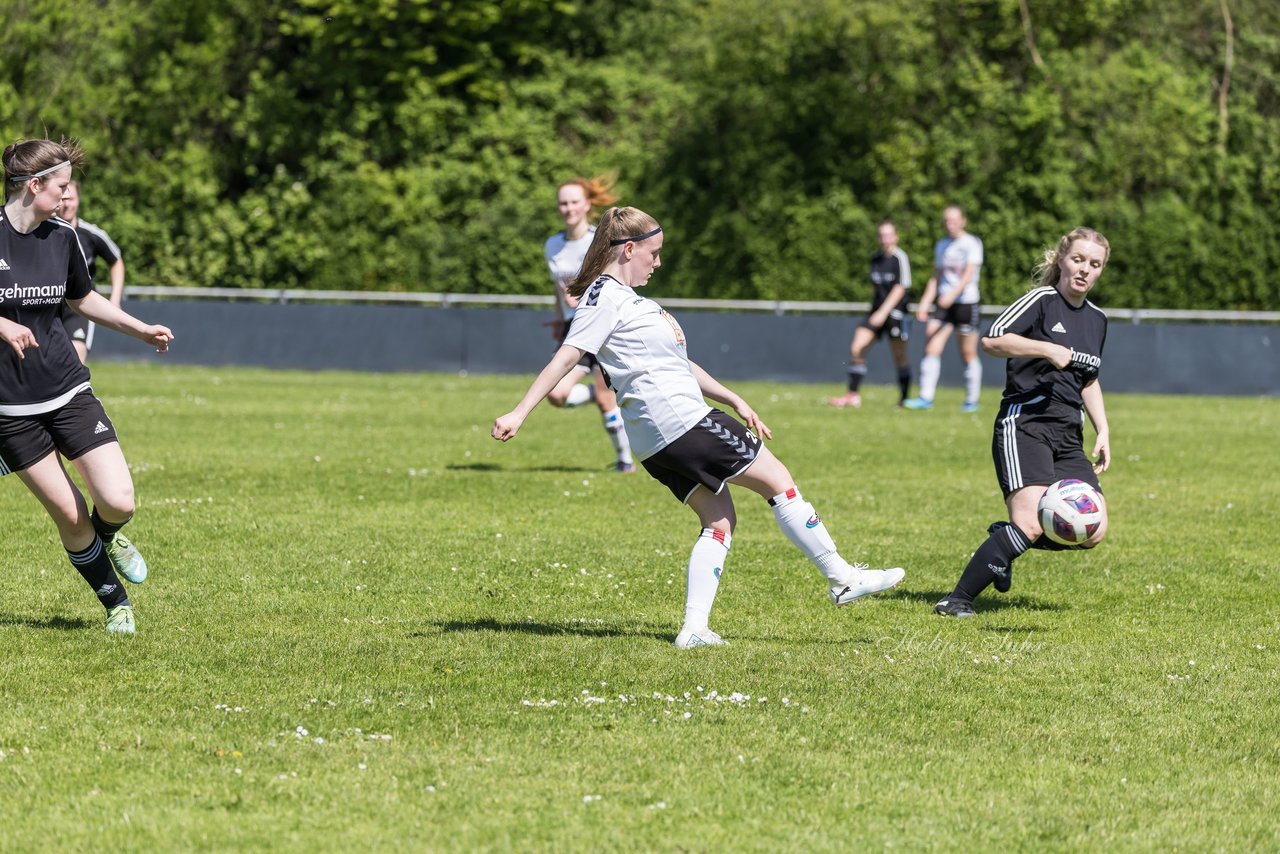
(20, 178)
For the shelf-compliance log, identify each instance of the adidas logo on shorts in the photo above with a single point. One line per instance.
(101, 428)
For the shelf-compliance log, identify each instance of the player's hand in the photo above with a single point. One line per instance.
(1101, 455)
(877, 320)
(17, 336)
(922, 314)
(753, 422)
(1059, 356)
(506, 426)
(158, 337)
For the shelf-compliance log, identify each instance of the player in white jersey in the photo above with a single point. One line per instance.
(689, 447)
(1053, 338)
(564, 251)
(47, 408)
(953, 289)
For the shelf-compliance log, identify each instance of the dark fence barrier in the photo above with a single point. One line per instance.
(1235, 358)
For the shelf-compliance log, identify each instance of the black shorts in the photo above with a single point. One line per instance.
(1039, 442)
(965, 317)
(78, 328)
(715, 450)
(77, 428)
(898, 327)
(588, 361)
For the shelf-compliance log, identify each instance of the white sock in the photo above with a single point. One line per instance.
(706, 562)
(799, 521)
(972, 381)
(617, 434)
(580, 394)
(930, 368)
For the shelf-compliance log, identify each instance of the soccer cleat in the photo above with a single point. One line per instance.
(952, 607)
(969, 406)
(852, 400)
(1005, 581)
(624, 468)
(126, 559)
(120, 620)
(691, 638)
(865, 582)
(918, 403)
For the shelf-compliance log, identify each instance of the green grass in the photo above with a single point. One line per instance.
(370, 627)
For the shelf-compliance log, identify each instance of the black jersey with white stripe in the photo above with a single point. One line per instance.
(1043, 314)
(37, 272)
(96, 243)
(887, 271)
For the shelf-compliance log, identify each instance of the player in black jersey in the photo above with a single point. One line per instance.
(1053, 338)
(891, 285)
(47, 408)
(95, 243)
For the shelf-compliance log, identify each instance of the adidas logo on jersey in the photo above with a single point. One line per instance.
(4, 265)
(101, 428)
(1058, 327)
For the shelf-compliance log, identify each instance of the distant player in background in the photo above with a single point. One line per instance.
(564, 250)
(47, 408)
(953, 289)
(684, 444)
(891, 291)
(1053, 338)
(95, 244)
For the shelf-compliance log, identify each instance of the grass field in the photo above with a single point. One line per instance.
(370, 627)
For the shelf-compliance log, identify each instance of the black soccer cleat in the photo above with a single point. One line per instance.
(1003, 581)
(953, 607)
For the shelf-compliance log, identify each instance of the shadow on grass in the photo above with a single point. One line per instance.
(987, 602)
(60, 623)
(496, 467)
(531, 628)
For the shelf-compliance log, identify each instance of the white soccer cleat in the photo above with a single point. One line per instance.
(120, 620)
(691, 638)
(865, 582)
(126, 559)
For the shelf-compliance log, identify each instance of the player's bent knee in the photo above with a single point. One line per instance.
(116, 506)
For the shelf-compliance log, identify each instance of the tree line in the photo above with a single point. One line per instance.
(392, 145)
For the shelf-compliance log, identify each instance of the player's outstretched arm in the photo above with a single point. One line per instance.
(506, 426)
(1091, 394)
(714, 389)
(102, 311)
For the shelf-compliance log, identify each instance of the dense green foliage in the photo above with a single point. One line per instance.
(396, 145)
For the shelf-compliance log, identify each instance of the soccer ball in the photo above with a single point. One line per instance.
(1070, 512)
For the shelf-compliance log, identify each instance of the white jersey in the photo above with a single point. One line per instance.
(564, 257)
(950, 257)
(642, 351)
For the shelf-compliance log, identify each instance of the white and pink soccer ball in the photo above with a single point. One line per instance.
(1070, 512)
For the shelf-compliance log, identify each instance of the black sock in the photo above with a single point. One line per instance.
(1003, 545)
(904, 382)
(856, 373)
(1045, 544)
(96, 569)
(106, 530)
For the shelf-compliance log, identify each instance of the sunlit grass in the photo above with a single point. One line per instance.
(369, 626)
